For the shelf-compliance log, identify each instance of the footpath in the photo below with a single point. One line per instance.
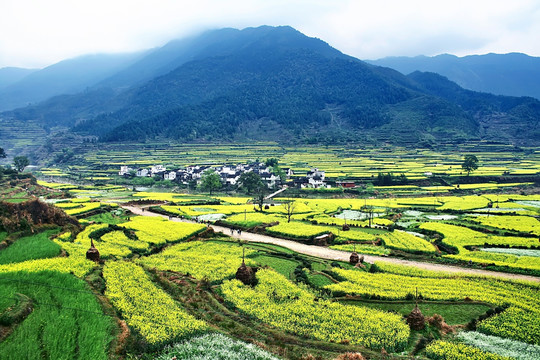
(331, 254)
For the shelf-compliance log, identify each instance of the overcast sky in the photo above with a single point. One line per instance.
(36, 33)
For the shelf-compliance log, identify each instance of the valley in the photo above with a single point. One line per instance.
(258, 194)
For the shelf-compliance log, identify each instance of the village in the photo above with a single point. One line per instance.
(230, 175)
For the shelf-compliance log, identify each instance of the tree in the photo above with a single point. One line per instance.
(289, 206)
(385, 179)
(210, 181)
(250, 182)
(271, 162)
(470, 163)
(2, 153)
(20, 162)
(279, 173)
(261, 194)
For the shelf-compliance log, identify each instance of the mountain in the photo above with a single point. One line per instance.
(511, 74)
(211, 43)
(501, 118)
(109, 94)
(10, 75)
(272, 83)
(66, 77)
(275, 83)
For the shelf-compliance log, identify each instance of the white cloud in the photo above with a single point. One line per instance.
(37, 33)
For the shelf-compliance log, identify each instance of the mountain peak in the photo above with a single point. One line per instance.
(512, 74)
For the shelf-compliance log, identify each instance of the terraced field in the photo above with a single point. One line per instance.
(167, 282)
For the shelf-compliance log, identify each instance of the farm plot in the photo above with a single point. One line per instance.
(287, 306)
(521, 321)
(518, 223)
(155, 230)
(210, 260)
(146, 307)
(460, 237)
(65, 319)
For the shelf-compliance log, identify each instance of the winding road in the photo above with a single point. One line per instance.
(331, 254)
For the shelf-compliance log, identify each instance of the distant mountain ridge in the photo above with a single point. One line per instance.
(66, 77)
(275, 83)
(10, 75)
(512, 74)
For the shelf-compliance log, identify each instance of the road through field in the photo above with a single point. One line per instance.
(331, 254)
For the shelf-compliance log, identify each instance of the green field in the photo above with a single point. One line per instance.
(66, 322)
(31, 247)
(170, 283)
(453, 313)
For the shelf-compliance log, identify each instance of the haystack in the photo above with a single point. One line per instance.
(92, 253)
(245, 274)
(354, 259)
(416, 319)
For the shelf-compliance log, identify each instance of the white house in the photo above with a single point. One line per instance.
(316, 173)
(316, 181)
(269, 178)
(169, 175)
(156, 169)
(288, 172)
(124, 170)
(142, 172)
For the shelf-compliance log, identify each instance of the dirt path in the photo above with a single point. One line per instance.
(331, 254)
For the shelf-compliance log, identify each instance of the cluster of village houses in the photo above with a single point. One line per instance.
(229, 174)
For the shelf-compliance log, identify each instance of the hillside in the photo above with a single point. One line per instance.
(10, 75)
(274, 83)
(511, 74)
(66, 77)
(279, 85)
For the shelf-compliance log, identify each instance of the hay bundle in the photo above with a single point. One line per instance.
(245, 274)
(416, 319)
(354, 259)
(92, 253)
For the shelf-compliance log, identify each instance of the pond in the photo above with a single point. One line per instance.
(210, 217)
(441, 217)
(510, 251)
(500, 209)
(420, 214)
(355, 215)
(416, 234)
(202, 209)
(413, 213)
(533, 203)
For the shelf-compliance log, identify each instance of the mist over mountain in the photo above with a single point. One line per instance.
(66, 77)
(513, 74)
(10, 75)
(274, 83)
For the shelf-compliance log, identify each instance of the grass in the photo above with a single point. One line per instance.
(107, 218)
(15, 200)
(67, 321)
(31, 247)
(3, 235)
(319, 266)
(283, 266)
(453, 313)
(271, 247)
(319, 280)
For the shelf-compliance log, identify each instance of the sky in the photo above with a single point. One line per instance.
(37, 33)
